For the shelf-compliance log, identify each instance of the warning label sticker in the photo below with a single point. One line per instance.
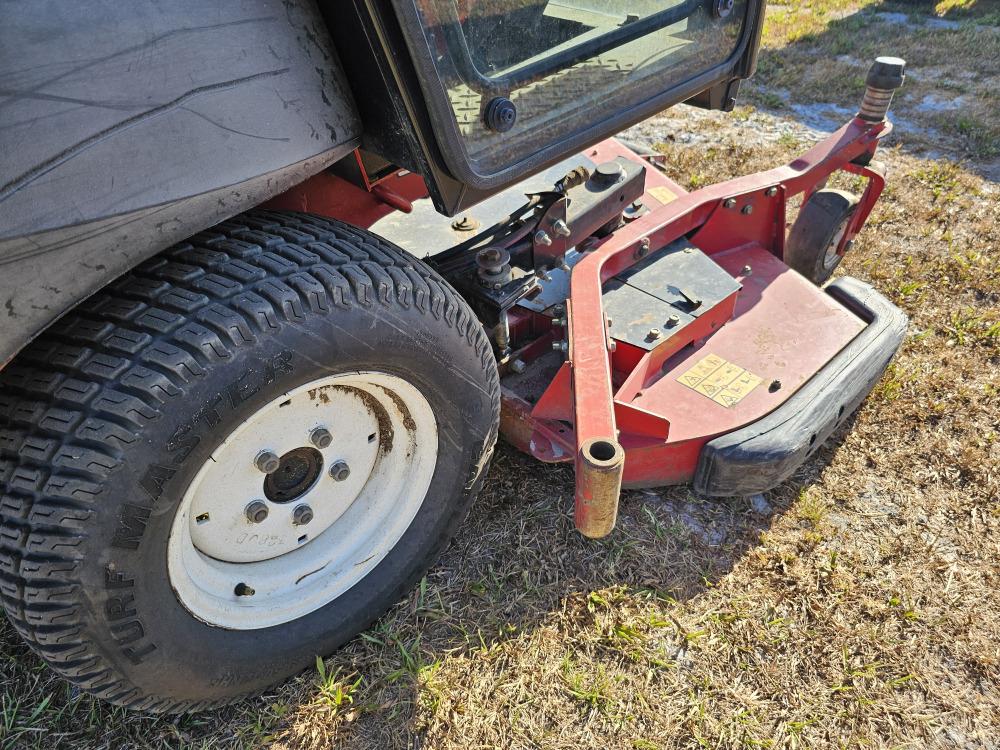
(724, 382)
(662, 194)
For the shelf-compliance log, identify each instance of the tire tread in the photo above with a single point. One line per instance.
(75, 399)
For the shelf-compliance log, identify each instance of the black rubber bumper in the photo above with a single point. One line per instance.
(762, 455)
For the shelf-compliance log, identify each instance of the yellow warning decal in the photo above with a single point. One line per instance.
(662, 194)
(724, 382)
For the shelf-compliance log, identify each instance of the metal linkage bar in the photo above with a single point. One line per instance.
(707, 217)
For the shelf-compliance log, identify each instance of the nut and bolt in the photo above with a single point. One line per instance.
(340, 470)
(560, 346)
(746, 210)
(729, 203)
(654, 333)
(321, 437)
(267, 461)
(643, 249)
(301, 515)
(256, 512)
(518, 366)
(673, 320)
(542, 238)
(561, 228)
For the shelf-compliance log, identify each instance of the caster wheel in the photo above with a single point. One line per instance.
(812, 243)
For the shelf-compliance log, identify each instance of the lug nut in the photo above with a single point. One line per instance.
(256, 511)
(321, 437)
(561, 228)
(267, 462)
(340, 471)
(302, 515)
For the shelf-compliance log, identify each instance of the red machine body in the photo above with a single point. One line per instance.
(642, 416)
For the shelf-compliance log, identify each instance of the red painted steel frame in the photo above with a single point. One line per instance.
(706, 216)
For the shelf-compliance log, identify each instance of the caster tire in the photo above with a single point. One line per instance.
(812, 243)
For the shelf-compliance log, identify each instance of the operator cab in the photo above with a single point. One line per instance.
(493, 91)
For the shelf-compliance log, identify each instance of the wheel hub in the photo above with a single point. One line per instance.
(298, 533)
(297, 472)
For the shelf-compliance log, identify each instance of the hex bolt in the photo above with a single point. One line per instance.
(747, 210)
(654, 333)
(729, 203)
(267, 461)
(542, 238)
(673, 320)
(643, 249)
(243, 590)
(518, 366)
(340, 470)
(256, 512)
(561, 228)
(301, 515)
(560, 346)
(321, 437)
(561, 322)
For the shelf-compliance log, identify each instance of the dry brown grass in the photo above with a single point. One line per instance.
(858, 606)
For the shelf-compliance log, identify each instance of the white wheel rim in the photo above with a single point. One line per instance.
(831, 256)
(382, 428)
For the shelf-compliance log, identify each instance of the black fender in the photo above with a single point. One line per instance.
(127, 127)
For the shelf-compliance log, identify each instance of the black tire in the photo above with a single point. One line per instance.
(817, 227)
(90, 416)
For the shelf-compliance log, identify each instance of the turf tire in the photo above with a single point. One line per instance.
(117, 406)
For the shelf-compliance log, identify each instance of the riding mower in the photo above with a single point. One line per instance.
(275, 275)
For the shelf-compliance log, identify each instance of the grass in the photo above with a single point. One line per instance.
(816, 53)
(860, 610)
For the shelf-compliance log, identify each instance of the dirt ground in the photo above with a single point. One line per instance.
(855, 606)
